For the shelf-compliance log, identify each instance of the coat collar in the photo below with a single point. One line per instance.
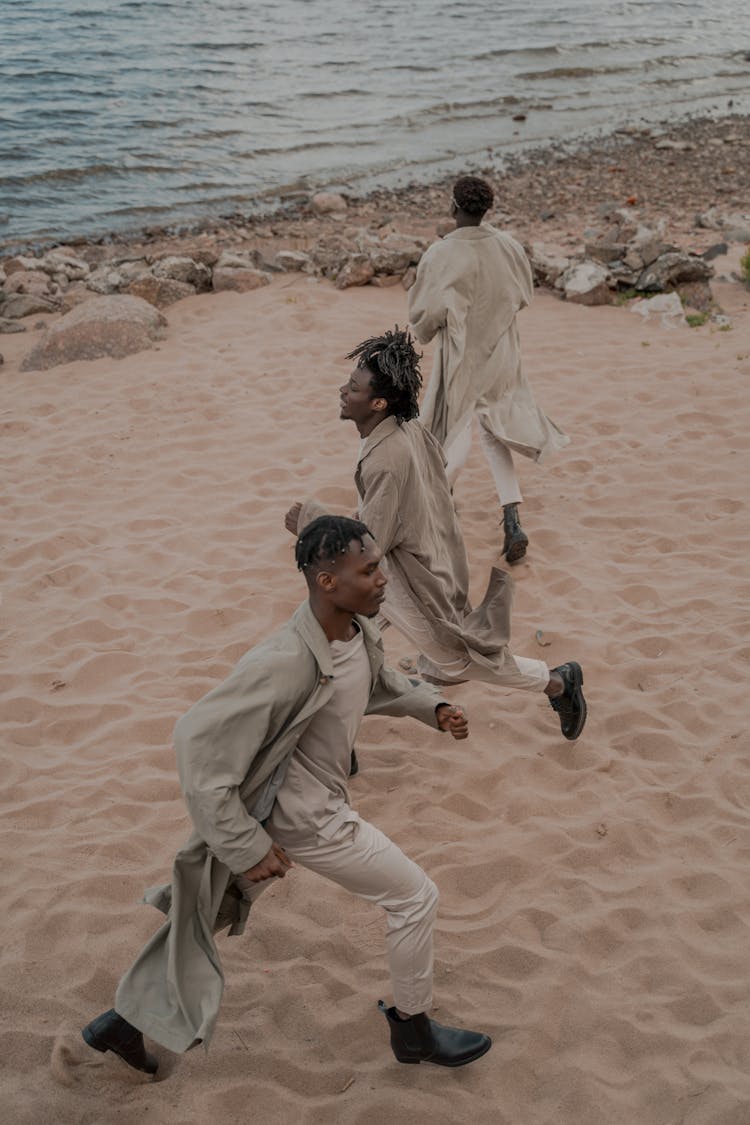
(484, 230)
(309, 628)
(383, 430)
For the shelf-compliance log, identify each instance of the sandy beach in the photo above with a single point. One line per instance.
(595, 910)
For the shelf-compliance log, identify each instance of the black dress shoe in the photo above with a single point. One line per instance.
(516, 539)
(110, 1032)
(420, 1039)
(570, 706)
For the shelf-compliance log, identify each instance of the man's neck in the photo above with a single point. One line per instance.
(366, 428)
(337, 624)
(463, 220)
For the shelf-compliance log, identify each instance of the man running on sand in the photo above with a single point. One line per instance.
(405, 499)
(468, 289)
(263, 761)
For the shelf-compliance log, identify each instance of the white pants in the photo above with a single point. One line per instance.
(498, 457)
(401, 611)
(361, 859)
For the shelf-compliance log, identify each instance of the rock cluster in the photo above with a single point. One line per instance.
(624, 256)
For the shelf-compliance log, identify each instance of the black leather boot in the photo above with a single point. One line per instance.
(110, 1032)
(420, 1039)
(571, 705)
(516, 539)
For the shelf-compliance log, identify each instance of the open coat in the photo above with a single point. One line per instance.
(405, 500)
(233, 747)
(469, 288)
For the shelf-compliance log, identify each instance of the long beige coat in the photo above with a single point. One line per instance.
(406, 503)
(233, 747)
(469, 287)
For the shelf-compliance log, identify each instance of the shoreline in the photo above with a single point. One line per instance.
(552, 191)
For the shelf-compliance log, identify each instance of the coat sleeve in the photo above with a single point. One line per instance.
(428, 298)
(216, 743)
(404, 697)
(379, 508)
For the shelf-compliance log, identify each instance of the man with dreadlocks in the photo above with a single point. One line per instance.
(405, 500)
(468, 289)
(263, 761)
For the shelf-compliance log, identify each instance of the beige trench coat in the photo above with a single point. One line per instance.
(231, 746)
(469, 287)
(406, 503)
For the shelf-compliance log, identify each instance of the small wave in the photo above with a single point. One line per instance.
(574, 72)
(78, 175)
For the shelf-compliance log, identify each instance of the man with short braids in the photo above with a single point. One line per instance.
(405, 499)
(468, 290)
(263, 761)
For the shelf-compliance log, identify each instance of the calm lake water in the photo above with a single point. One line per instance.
(120, 113)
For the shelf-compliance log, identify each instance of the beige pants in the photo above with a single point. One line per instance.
(499, 459)
(361, 859)
(401, 611)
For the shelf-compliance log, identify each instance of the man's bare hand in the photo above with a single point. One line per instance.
(274, 863)
(453, 720)
(291, 519)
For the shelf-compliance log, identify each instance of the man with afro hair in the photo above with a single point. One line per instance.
(468, 290)
(405, 500)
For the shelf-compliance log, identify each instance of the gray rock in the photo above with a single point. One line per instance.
(28, 281)
(185, 270)
(11, 325)
(357, 271)
(161, 291)
(547, 264)
(666, 305)
(328, 203)
(104, 326)
(672, 268)
(715, 251)
(61, 261)
(239, 259)
(586, 283)
(238, 279)
(106, 280)
(19, 305)
(292, 261)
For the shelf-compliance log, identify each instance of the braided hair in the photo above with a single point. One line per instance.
(394, 371)
(324, 539)
(472, 195)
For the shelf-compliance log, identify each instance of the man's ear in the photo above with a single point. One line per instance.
(326, 581)
(379, 403)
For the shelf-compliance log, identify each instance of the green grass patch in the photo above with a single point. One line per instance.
(696, 319)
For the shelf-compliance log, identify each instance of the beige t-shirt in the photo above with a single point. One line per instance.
(313, 800)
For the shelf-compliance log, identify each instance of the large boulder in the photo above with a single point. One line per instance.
(330, 254)
(11, 325)
(111, 326)
(395, 254)
(671, 269)
(586, 283)
(65, 262)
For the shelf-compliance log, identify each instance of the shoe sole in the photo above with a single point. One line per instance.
(463, 1062)
(579, 701)
(516, 551)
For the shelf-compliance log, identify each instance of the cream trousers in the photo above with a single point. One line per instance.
(361, 859)
(498, 457)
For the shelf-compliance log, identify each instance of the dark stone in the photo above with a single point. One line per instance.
(715, 251)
